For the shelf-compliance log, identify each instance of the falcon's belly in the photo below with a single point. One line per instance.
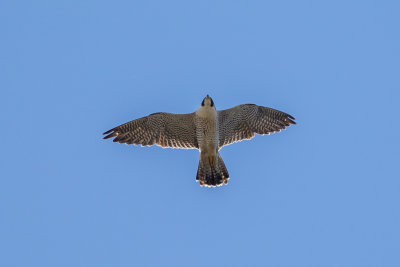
(207, 130)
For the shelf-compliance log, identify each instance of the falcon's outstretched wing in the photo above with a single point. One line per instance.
(163, 129)
(241, 122)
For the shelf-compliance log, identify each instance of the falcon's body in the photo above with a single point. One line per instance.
(212, 170)
(206, 121)
(207, 130)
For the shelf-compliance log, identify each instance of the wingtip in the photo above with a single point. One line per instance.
(290, 119)
(112, 134)
(109, 131)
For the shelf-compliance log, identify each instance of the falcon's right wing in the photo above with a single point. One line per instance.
(243, 121)
(163, 129)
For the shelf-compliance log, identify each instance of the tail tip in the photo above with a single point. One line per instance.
(203, 182)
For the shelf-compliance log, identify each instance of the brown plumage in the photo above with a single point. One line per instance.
(162, 129)
(243, 121)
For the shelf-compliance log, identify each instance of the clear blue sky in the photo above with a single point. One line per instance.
(322, 193)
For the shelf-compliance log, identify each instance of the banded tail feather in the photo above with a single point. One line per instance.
(212, 171)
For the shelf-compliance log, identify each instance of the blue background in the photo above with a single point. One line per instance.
(322, 193)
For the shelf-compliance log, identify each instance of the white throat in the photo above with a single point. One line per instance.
(206, 112)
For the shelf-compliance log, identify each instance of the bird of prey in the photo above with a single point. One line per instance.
(206, 129)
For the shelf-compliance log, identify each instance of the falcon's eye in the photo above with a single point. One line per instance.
(202, 103)
(212, 103)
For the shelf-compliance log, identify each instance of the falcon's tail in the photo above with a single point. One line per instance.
(212, 171)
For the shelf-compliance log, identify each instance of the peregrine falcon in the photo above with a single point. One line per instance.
(206, 129)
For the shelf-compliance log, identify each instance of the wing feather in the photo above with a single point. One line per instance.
(163, 129)
(243, 121)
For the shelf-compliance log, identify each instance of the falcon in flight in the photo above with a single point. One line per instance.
(206, 129)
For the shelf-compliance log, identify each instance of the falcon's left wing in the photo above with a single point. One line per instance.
(163, 129)
(243, 121)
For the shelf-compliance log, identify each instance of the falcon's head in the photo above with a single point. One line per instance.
(207, 102)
